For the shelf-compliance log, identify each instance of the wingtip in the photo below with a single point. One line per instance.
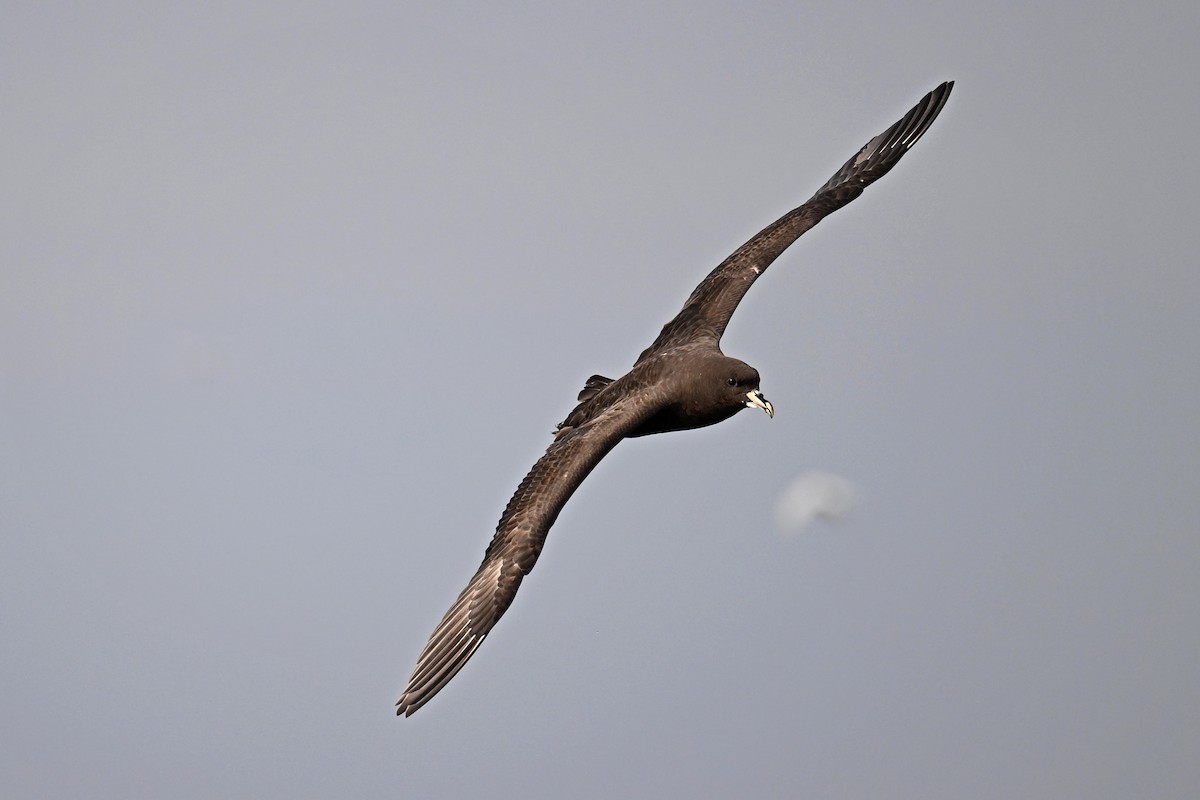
(408, 705)
(940, 95)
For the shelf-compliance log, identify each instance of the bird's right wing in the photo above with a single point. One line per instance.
(709, 308)
(516, 545)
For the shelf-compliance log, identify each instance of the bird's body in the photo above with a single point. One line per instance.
(682, 381)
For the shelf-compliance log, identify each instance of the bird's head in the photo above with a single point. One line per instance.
(741, 386)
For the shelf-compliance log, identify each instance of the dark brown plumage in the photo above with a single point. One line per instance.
(681, 381)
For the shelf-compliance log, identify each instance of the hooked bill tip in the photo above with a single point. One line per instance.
(755, 399)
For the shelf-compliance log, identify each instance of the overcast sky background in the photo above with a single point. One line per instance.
(292, 296)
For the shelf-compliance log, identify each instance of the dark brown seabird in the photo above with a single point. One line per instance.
(679, 382)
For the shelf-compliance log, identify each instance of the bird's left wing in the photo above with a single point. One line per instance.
(709, 308)
(516, 545)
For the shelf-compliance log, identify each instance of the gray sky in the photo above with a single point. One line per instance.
(291, 298)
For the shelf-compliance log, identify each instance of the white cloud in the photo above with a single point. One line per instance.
(812, 494)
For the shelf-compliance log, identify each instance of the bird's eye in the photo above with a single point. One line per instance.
(732, 381)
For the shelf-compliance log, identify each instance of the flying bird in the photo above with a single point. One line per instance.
(681, 381)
